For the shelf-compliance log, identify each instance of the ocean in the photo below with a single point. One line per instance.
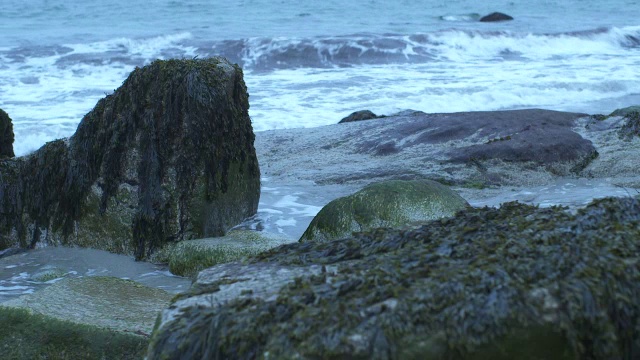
(310, 63)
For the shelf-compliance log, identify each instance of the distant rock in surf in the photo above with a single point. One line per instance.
(359, 116)
(496, 16)
(169, 156)
(6, 136)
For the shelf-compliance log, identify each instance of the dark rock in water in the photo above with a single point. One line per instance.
(496, 16)
(168, 156)
(508, 283)
(393, 203)
(358, 116)
(6, 136)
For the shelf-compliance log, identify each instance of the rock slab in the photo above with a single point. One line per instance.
(168, 156)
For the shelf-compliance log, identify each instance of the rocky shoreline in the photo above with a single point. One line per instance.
(170, 158)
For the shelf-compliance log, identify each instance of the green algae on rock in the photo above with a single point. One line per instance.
(485, 284)
(391, 203)
(188, 257)
(168, 156)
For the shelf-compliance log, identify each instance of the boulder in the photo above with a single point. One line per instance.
(167, 157)
(188, 257)
(513, 282)
(359, 116)
(102, 311)
(393, 203)
(6, 136)
(496, 16)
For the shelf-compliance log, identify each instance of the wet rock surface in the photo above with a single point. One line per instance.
(546, 283)
(471, 149)
(169, 156)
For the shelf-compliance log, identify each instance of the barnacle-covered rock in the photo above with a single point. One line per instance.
(168, 156)
(392, 203)
(513, 282)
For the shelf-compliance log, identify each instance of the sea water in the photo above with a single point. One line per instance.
(309, 63)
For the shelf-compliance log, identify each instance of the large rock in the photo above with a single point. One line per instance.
(513, 282)
(104, 314)
(469, 149)
(169, 156)
(6, 136)
(393, 203)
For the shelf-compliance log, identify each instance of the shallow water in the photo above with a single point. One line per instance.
(17, 271)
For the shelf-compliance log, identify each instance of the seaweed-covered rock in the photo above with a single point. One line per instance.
(168, 156)
(6, 135)
(391, 203)
(188, 257)
(513, 282)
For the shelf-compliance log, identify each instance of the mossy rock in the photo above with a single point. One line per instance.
(111, 303)
(507, 283)
(188, 257)
(27, 335)
(625, 111)
(392, 203)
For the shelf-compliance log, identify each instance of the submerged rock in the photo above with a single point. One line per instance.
(168, 156)
(496, 16)
(6, 136)
(513, 282)
(105, 315)
(188, 257)
(393, 203)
